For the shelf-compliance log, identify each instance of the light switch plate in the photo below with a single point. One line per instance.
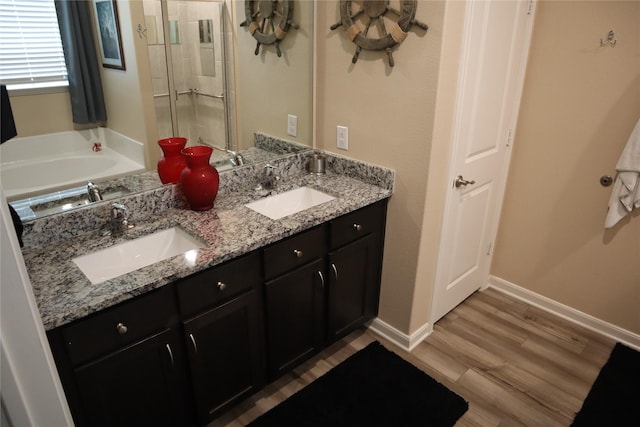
(342, 139)
(292, 125)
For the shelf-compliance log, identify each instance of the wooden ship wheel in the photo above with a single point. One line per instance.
(268, 21)
(373, 12)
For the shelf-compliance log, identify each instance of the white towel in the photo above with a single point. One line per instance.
(625, 195)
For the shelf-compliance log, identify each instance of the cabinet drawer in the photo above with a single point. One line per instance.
(119, 326)
(354, 225)
(294, 252)
(203, 290)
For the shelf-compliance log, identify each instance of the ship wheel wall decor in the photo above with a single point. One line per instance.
(261, 17)
(375, 11)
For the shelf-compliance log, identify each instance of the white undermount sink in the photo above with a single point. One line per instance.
(290, 202)
(131, 255)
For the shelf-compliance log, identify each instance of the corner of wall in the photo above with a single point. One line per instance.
(439, 164)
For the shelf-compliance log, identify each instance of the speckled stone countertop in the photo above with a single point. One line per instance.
(229, 230)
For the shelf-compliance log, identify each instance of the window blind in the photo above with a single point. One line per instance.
(31, 52)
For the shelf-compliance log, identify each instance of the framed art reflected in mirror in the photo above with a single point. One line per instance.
(108, 29)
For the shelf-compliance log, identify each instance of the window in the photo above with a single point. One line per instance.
(31, 53)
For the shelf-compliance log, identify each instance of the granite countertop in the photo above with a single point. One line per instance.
(230, 229)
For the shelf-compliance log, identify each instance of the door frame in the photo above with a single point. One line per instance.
(32, 393)
(465, 72)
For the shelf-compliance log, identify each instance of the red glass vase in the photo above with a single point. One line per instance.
(172, 162)
(200, 180)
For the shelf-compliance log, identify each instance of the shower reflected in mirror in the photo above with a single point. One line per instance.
(188, 74)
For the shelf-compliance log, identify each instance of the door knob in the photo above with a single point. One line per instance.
(460, 181)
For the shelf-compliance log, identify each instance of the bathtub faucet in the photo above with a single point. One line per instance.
(119, 221)
(94, 192)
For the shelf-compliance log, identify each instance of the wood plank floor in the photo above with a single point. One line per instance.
(515, 364)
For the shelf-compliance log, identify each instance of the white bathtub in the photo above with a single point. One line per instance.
(35, 165)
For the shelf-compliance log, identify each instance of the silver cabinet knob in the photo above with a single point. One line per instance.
(357, 227)
(222, 286)
(460, 181)
(297, 253)
(121, 328)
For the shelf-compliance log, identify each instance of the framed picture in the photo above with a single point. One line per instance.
(109, 34)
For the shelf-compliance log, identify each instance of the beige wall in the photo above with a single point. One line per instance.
(390, 115)
(271, 87)
(580, 103)
(128, 94)
(40, 114)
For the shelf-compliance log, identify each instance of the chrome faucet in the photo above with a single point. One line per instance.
(94, 192)
(236, 158)
(119, 221)
(268, 179)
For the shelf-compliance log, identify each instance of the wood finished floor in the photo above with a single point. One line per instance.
(515, 364)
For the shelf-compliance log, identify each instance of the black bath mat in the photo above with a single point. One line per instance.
(374, 387)
(614, 399)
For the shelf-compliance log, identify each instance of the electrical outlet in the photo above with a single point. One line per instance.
(342, 138)
(292, 125)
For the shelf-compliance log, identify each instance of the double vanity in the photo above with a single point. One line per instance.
(255, 291)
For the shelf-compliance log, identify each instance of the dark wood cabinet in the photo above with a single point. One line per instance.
(351, 290)
(295, 252)
(295, 299)
(125, 366)
(225, 342)
(322, 284)
(183, 354)
(294, 305)
(355, 264)
(140, 385)
(226, 355)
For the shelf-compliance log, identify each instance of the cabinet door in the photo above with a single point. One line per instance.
(295, 316)
(353, 286)
(143, 384)
(226, 351)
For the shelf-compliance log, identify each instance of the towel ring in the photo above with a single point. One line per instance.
(606, 180)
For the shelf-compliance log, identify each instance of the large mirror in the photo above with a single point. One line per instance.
(193, 71)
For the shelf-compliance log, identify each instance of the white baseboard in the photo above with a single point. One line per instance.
(585, 320)
(402, 340)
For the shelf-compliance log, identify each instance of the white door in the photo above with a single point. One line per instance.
(490, 83)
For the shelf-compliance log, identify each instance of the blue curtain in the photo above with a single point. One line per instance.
(7, 123)
(85, 86)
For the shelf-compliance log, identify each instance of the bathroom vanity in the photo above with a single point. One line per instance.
(181, 341)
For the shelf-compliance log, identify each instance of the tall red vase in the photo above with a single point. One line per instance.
(200, 180)
(172, 162)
